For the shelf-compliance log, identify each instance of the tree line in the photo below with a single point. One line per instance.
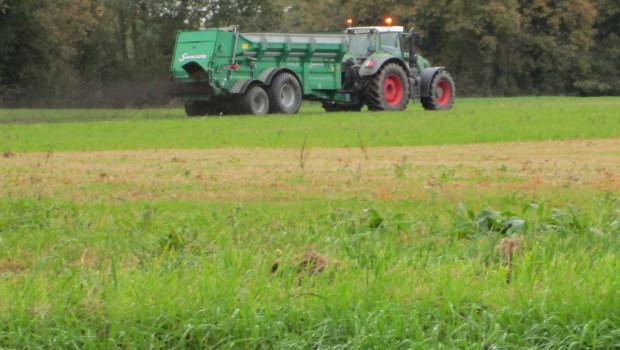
(79, 53)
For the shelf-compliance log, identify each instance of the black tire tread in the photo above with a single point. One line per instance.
(372, 89)
(273, 93)
(245, 102)
(430, 103)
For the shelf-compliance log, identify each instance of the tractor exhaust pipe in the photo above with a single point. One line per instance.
(411, 49)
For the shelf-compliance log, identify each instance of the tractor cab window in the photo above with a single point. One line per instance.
(362, 45)
(390, 43)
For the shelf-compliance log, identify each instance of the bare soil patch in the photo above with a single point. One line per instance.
(385, 173)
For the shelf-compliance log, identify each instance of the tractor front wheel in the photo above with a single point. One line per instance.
(388, 90)
(441, 92)
(284, 94)
(255, 101)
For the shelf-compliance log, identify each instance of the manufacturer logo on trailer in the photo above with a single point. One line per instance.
(186, 56)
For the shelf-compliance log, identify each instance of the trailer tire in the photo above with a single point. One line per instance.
(224, 105)
(284, 94)
(255, 101)
(441, 92)
(213, 107)
(330, 106)
(388, 90)
(196, 108)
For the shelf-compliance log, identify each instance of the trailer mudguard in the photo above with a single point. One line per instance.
(427, 77)
(265, 78)
(267, 75)
(243, 84)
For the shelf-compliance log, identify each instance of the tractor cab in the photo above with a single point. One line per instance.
(365, 41)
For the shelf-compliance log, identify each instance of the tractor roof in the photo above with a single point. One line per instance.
(377, 29)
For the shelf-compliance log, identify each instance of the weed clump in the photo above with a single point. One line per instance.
(10, 267)
(509, 248)
(310, 263)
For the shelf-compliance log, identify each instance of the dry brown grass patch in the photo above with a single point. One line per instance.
(310, 263)
(11, 266)
(388, 173)
(509, 248)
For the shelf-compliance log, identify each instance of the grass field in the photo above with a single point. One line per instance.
(495, 225)
(472, 121)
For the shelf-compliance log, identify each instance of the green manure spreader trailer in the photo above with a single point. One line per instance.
(222, 71)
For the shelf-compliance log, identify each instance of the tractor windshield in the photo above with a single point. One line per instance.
(362, 45)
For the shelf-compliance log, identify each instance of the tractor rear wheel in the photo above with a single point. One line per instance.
(255, 101)
(284, 94)
(388, 90)
(441, 92)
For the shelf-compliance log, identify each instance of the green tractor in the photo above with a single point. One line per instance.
(221, 71)
(384, 71)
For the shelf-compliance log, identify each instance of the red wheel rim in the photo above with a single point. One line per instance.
(443, 92)
(393, 89)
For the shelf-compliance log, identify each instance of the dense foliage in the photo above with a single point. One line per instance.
(116, 52)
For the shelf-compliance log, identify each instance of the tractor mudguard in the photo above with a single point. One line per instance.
(427, 77)
(378, 61)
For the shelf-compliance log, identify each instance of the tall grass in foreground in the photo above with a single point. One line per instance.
(195, 276)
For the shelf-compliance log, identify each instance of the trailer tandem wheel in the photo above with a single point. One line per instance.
(331, 106)
(255, 101)
(284, 94)
(196, 108)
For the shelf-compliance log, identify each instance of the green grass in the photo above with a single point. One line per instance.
(472, 121)
(110, 272)
(52, 116)
(184, 275)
